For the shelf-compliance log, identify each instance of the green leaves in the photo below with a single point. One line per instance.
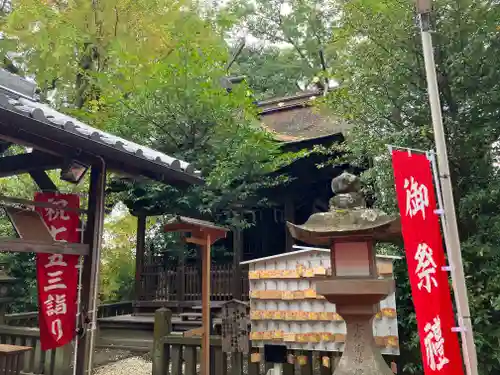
(302, 28)
(118, 256)
(183, 111)
(384, 95)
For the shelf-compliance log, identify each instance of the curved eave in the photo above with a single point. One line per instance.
(388, 232)
(31, 124)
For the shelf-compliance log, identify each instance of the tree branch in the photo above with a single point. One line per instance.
(149, 120)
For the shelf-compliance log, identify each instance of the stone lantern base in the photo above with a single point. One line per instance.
(361, 355)
(357, 301)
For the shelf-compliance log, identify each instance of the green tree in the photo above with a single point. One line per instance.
(118, 256)
(301, 29)
(269, 72)
(149, 71)
(383, 92)
(68, 45)
(184, 112)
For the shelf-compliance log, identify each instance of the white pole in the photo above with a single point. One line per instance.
(439, 194)
(452, 238)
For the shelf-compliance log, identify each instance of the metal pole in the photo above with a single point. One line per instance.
(452, 237)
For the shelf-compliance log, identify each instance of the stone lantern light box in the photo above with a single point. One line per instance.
(352, 259)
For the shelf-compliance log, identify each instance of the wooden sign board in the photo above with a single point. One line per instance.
(235, 327)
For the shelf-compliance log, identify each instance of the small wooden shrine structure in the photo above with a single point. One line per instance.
(53, 140)
(203, 234)
(296, 125)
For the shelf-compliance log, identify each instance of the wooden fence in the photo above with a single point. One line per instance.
(181, 357)
(114, 309)
(178, 355)
(182, 283)
(20, 331)
(51, 362)
(30, 319)
(24, 319)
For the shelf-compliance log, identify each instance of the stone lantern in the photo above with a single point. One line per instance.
(6, 283)
(351, 231)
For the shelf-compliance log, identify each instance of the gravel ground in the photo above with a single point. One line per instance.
(104, 356)
(133, 365)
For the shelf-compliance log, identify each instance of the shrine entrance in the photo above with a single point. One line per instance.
(34, 139)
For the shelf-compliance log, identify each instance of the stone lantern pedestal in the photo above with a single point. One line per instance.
(351, 230)
(357, 302)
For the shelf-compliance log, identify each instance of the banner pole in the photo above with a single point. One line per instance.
(439, 195)
(464, 320)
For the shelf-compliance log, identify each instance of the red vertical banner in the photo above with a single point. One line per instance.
(57, 274)
(425, 258)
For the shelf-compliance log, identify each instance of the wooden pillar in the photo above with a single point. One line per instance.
(90, 276)
(181, 281)
(139, 256)
(205, 303)
(162, 328)
(237, 255)
(290, 217)
(203, 234)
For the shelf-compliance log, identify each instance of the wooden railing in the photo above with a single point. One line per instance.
(51, 362)
(114, 309)
(19, 330)
(30, 319)
(181, 355)
(24, 319)
(182, 283)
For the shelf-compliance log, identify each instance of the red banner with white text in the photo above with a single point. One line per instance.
(426, 258)
(57, 274)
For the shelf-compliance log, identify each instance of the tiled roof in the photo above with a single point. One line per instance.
(16, 102)
(294, 118)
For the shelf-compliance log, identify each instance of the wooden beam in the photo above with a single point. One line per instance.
(4, 146)
(27, 202)
(43, 181)
(28, 246)
(196, 240)
(24, 163)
